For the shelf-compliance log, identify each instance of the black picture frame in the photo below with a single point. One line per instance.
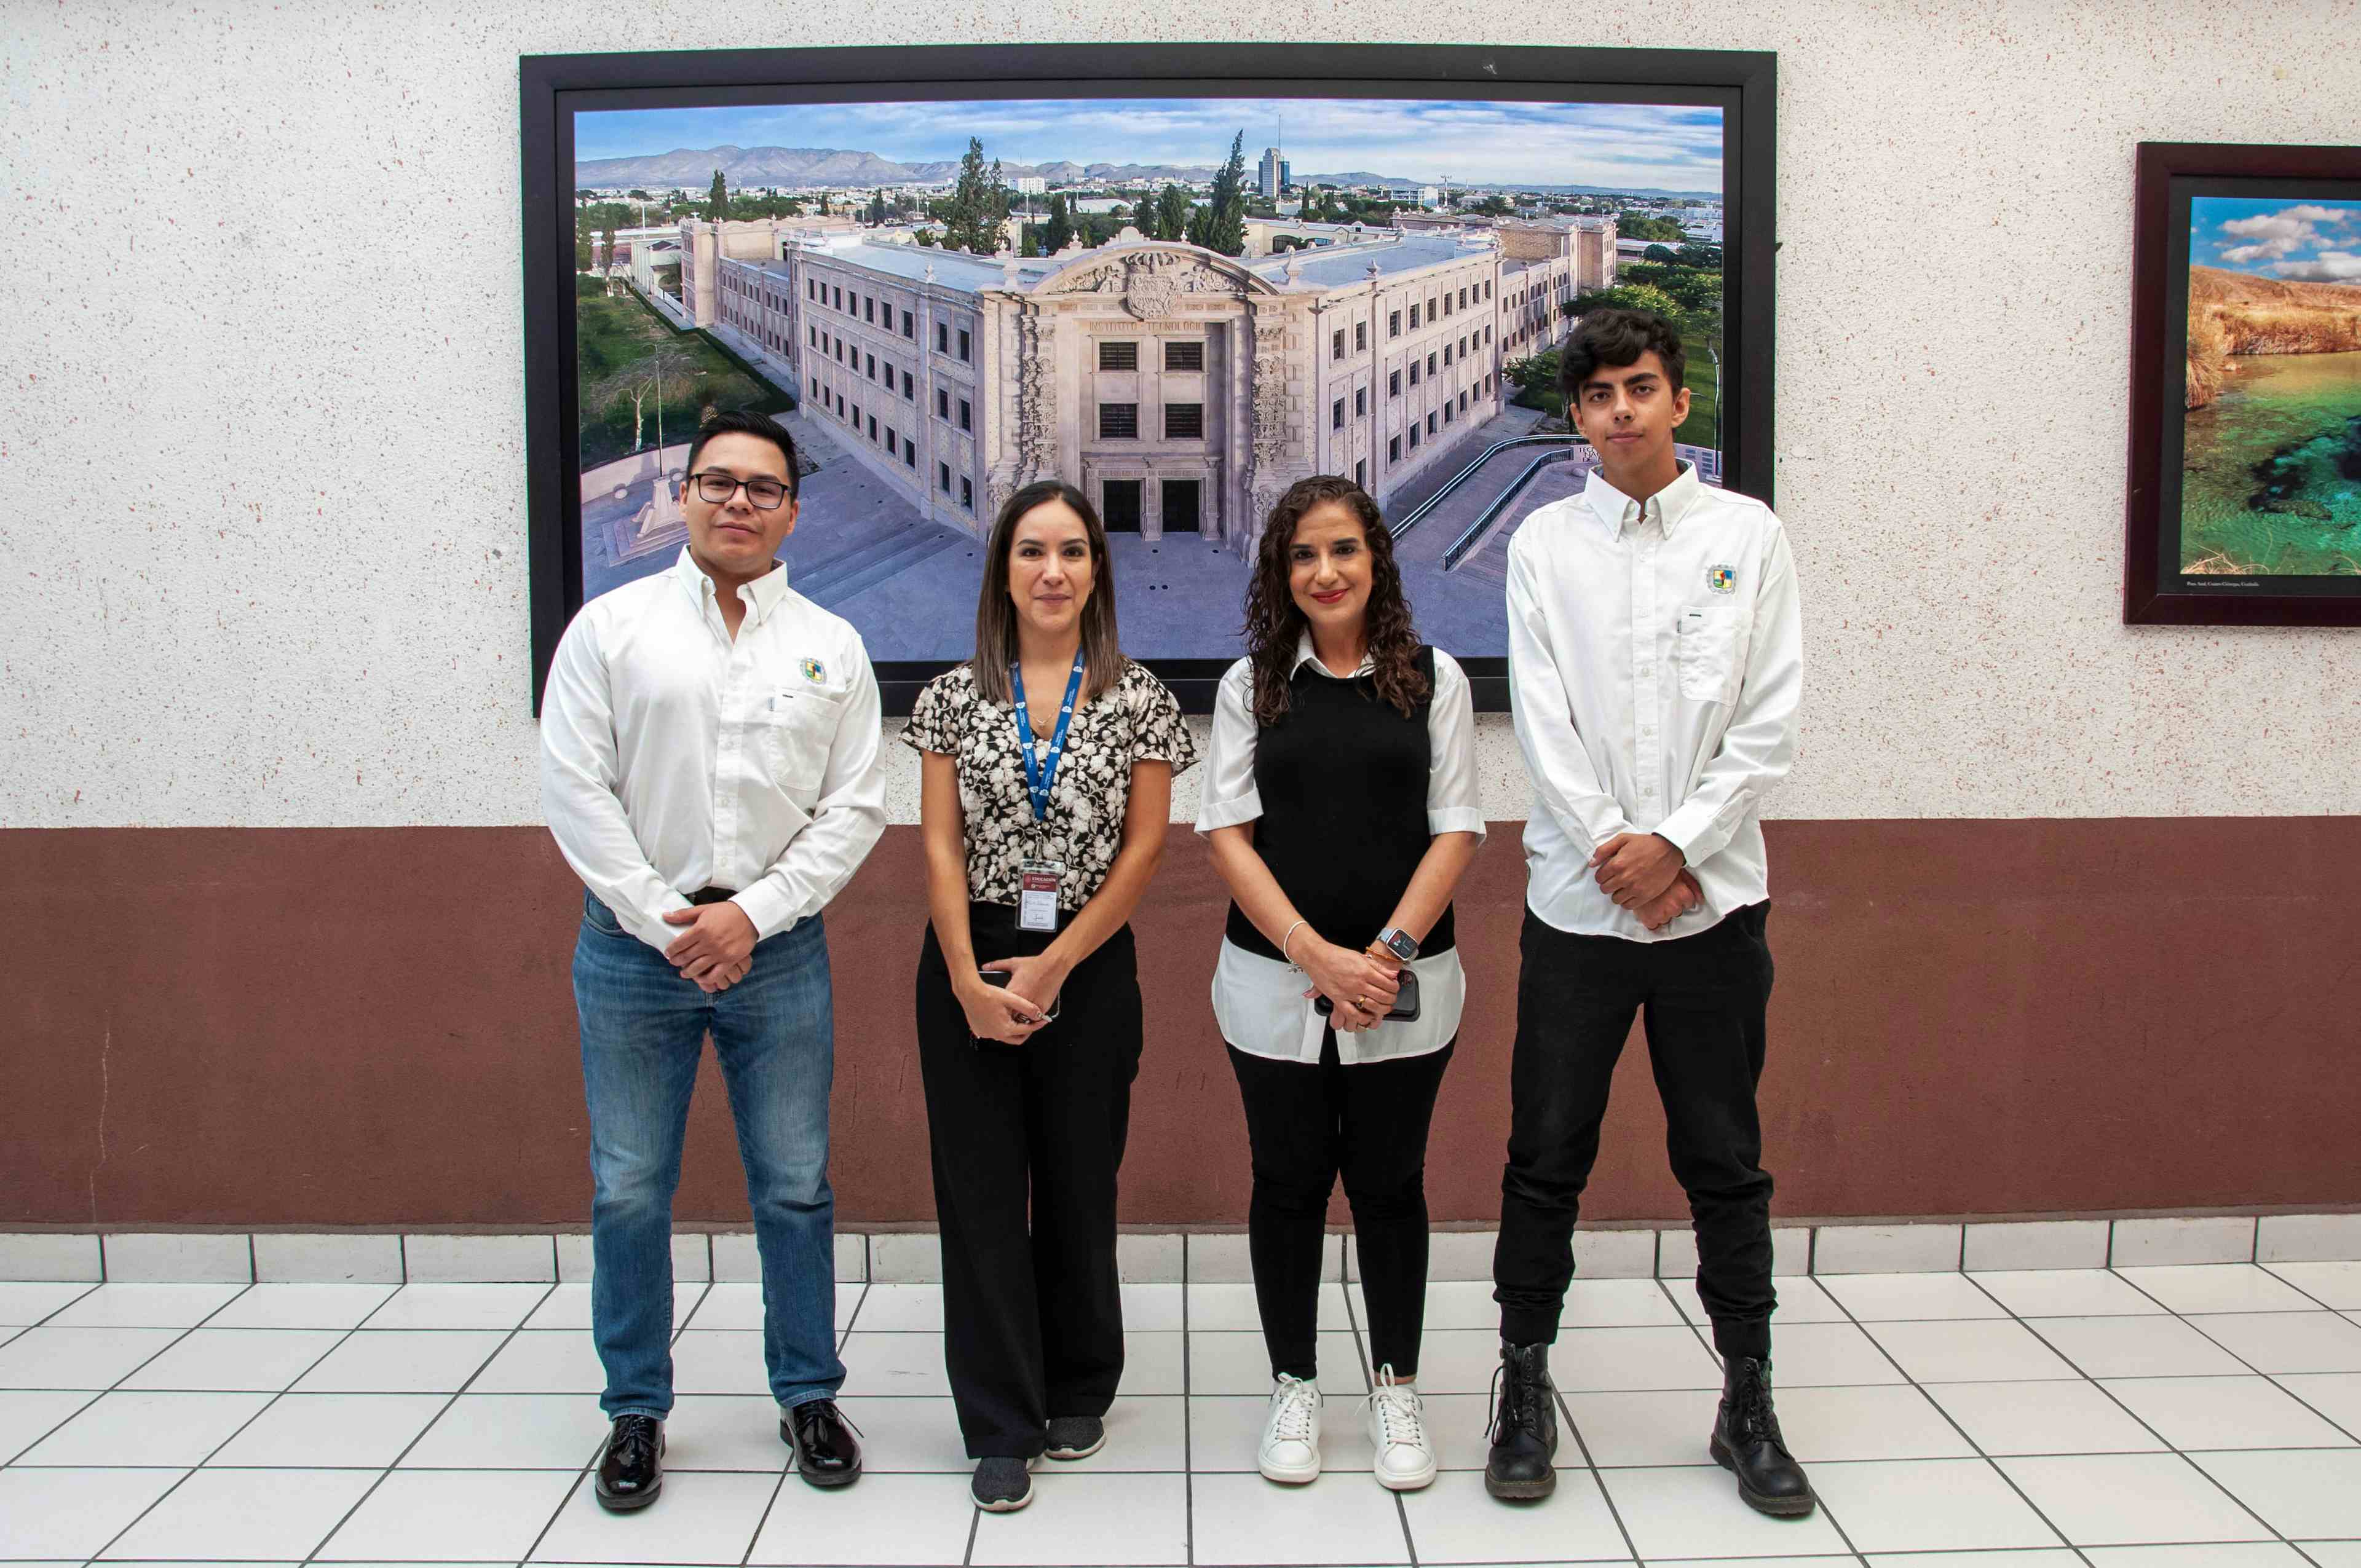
(1743, 84)
(2168, 177)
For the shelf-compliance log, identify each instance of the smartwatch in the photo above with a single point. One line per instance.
(1399, 942)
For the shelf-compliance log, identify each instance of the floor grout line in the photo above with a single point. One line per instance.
(1705, 1339)
(362, 1501)
(1990, 1462)
(1357, 1330)
(1189, 1424)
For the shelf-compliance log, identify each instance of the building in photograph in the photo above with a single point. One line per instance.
(1268, 178)
(1182, 390)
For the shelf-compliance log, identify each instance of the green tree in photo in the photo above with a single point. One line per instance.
(997, 198)
(583, 260)
(1173, 214)
(1225, 224)
(1705, 258)
(1030, 245)
(1535, 378)
(968, 219)
(1059, 233)
(717, 204)
(1640, 226)
(1627, 297)
(1658, 253)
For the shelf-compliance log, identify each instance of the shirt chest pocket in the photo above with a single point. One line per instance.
(1711, 652)
(797, 727)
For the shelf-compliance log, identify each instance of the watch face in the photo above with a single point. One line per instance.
(1400, 944)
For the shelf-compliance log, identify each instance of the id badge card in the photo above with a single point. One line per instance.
(1036, 897)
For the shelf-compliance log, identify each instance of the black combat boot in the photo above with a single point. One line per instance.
(1746, 1441)
(1524, 1426)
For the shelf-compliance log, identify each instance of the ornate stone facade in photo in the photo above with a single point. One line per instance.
(1183, 390)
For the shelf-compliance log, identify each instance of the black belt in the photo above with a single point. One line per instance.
(712, 895)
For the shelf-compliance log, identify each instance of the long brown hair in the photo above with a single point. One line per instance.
(996, 612)
(1274, 624)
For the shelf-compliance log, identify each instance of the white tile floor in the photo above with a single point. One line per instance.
(2201, 1416)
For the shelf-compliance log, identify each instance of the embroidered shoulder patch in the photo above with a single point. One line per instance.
(1721, 579)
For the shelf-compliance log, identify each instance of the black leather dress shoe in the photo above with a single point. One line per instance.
(1746, 1441)
(1521, 1464)
(631, 1472)
(826, 1451)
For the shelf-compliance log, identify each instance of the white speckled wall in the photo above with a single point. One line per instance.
(262, 546)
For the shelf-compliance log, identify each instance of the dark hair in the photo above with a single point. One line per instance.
(1275, 624)
(742, 422)
(995, 613)
(1615, 338)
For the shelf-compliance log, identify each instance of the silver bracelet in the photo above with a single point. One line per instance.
(1282, 946)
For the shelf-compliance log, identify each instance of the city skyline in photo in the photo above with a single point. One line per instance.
(1655, 149)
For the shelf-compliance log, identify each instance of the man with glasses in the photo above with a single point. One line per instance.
(710, 768)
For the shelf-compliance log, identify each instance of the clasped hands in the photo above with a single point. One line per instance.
(1011, 1013)
(716, 946)
(1360, 986)
(1646, 873)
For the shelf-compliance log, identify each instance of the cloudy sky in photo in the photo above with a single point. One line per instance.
(2302, 242)
(1620, 146)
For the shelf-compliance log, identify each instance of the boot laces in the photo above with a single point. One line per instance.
(1513, 1400)
(1751, 1413)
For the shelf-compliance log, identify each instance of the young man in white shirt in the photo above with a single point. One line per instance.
(710, 768)
(1655, 669)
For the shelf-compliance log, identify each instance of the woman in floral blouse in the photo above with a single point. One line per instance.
(1033, 864)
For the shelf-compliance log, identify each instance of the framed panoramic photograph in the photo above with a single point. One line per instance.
(2245, 491)
(1180, 277)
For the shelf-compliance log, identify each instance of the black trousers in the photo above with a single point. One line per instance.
(1702, 999)
(1307, 1124)
(1027, 1141)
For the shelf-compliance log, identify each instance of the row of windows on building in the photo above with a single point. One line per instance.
(1482, 386)
(895, 443)
(889, 375)
(1182, 421)
(871, 308)
(1180, 353)
(1438, 307)
(1186, 422)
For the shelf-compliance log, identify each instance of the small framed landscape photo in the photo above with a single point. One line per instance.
(2245, 489)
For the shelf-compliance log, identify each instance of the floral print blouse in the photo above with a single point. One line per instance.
(1135, 720)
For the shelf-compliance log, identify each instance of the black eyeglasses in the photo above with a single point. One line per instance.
(718, 487)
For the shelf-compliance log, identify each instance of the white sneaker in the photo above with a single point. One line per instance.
(1397, 1432)
(1291, 1433)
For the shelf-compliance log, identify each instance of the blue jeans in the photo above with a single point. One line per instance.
(644, 1028)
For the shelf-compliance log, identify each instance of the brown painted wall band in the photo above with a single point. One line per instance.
(330, 1027)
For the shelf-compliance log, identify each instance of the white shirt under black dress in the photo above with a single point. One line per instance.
(1134, 720)
(1346, 794)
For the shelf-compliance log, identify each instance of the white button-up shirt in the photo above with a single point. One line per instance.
(674, 757)
(1655, 667)
(1259, 1002)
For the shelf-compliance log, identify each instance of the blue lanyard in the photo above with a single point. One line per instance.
(1038, 775)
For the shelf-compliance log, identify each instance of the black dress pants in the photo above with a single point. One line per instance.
(1307, 1124)
(1702, 999)
(1027, 1141)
